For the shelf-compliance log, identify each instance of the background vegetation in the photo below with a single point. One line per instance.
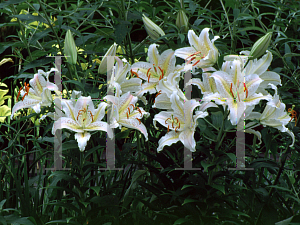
(149, 190)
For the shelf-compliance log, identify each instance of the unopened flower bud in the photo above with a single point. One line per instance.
(260, 46)
(110, 52)
(70, 48)
(182, 21)
(152, 29)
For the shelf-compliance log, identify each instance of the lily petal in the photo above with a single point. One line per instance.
(169, 139)
(187, 138)
(153, 54)
(133, 123)
(82, 139)
(99, 125)
(26, 103)
(68, 123)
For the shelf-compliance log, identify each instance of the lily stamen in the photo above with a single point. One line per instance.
(246, 89)
(139, 120)
(196, 63)
(148, 71)
(139, 110)
(293, 115)
(168, 128)
(158, 94)
(154, 68)
(231, 90)
(167, 120)
(135, 73)
(19, 93)
(193, 54)
(91, 115)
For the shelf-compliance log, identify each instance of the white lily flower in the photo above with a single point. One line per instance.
(207, 85)
(181, 122)
(38, 95)
(75, 95)
(236, 93)
(274, 115)
(202, 52)
(82, 118)
(158, 67)
(125, 113)
(119, 80)
(255, 66)
(165, 88)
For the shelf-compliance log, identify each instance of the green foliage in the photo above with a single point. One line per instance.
(149, 189)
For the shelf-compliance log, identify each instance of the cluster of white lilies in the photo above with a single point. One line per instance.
(240, 84)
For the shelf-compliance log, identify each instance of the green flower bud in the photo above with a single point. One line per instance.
(152, 29)
(182, 21)
(260, 46)
(70, 48)
(110, 52)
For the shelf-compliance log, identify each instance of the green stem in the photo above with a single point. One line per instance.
(227, 18)
(24, 38)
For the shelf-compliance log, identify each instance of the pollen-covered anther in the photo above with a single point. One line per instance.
(127, 115)
(167, 120)
(196, 53)
(154, 68)
(134, 73)
(91, 115)
(139, 120)
(293, 115)
(19, 93)
(196, 63)
(231, 90)
(148, 72)
(190, 60)
(158, 94)
(139, 110)
(162, 72)
(246, 89)
(80, 112)
(168, 128)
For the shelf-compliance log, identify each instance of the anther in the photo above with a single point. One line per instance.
(19, 93)
(139, 120)
(167, 120)
(139, 110)
(154, 68)
(148, 71)
(196, 63)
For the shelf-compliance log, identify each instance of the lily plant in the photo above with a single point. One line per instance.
(158, 67)
(125, 113)
(236, 90)
(82, 118)
(119, 80)
(180, 122)
(38, 95)
(202, 52)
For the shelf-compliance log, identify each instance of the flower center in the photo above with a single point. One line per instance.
(238, 94)
(133, 108)
(84, 113)
(26, 87)
(197, 55)
(157, 72)
(174, 121)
